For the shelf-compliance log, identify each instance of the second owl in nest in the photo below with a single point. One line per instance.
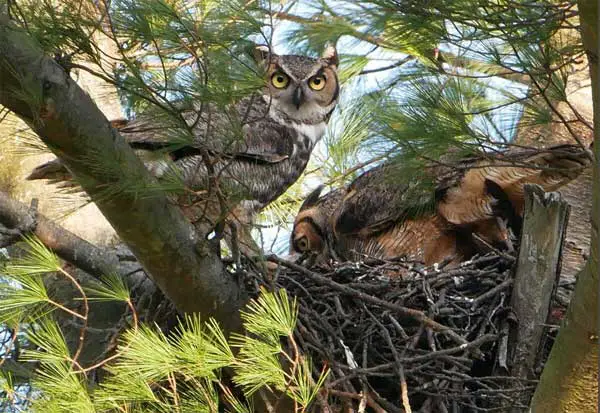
(472, 206)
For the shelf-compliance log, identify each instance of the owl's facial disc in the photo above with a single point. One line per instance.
(301, 89)
(307, 234)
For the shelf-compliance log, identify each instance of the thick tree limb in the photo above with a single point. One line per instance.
(67, 120)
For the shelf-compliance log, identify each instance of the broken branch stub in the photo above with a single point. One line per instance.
(536, 276)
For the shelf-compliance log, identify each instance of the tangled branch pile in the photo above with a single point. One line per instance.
(396, 333)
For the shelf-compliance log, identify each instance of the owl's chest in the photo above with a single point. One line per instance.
(293, 142)
(267, 137)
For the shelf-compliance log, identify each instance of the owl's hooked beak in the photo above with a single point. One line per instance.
(298, 97)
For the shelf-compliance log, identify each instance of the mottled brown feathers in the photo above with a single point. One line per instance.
(472, 203)
(313, 222)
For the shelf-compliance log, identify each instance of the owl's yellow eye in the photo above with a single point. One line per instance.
(280, 80)
(317, 82)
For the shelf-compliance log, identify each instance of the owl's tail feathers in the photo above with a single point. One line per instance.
(55, 172)
(472, 197)
(551, 168)
(565, 162)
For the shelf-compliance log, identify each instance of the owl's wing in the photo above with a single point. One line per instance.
(471, 190)
(177, 152)
(245, 134)
(483, 186)
(379, 199)
(56, 172)
(258, 141)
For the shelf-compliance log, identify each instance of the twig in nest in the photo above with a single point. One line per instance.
(468, 300)
(432, 355)
(506, 284)
(358, 396)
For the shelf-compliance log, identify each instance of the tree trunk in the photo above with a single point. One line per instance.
(82, 218)
(569, 382)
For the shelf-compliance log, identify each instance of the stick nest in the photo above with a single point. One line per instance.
(395, 334)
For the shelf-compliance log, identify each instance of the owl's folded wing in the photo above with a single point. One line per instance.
(216, 137)
(379, 199)
(147, 136)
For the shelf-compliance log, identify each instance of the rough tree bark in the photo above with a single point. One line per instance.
(17, 159)
(544, 226)
(186, 269)
(569, 382)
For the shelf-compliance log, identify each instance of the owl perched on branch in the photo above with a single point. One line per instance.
(473, 204)
(252, 153)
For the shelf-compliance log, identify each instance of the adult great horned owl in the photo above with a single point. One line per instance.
(476, 199)
(253, 152)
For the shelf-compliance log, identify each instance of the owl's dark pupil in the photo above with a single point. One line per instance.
(280, 79)
(317, 81)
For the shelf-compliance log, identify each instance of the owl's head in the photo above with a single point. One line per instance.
(312, 227)
(301, 87)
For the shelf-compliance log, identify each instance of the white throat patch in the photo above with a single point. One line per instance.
(297, 118)
(312, 132)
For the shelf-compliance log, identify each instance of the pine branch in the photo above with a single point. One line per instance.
(448, 57)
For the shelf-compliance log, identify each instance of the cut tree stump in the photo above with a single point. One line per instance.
(536, 278)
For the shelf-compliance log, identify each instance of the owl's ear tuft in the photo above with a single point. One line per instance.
(330, 55)
(312, 198)
(262, 54)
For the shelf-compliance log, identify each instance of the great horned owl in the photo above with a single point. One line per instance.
(256, 151)
(473, 203)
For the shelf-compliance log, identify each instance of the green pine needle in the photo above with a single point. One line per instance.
(200, 354)
(305, 389)
(48, 338)
(112, 288)
(62, 390)
(258, 366)
(38, 259)
(22, 300)
(154, 348)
